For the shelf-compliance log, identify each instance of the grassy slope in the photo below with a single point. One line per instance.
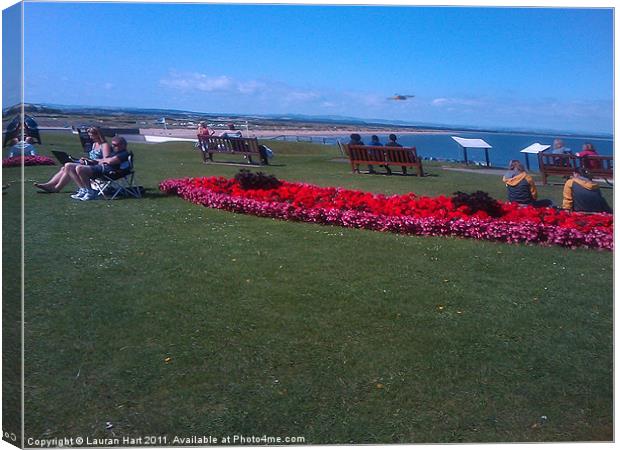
(279, 328)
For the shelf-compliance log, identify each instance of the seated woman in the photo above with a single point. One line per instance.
(100, 149)
(589, 150)
(84, 173)
(521, 187)
(582, 194)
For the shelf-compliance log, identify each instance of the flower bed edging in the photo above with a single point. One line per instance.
(471, 227)
(16, 161)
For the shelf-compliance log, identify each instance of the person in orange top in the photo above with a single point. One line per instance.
(203, 133)
(521, 186)
(582, 194)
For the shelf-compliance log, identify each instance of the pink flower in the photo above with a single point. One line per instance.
(407, 214)
(16, 161)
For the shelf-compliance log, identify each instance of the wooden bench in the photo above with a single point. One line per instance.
(232, 145)
(599, 166)
(565, 165)
(383, 156)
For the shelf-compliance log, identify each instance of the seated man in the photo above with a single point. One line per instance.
(356, 139)
(117, 160)
(25, 147)
(558, 148)
(521, 187)
(582, 194)
(392, 143)
(232, 132)
(377, 155)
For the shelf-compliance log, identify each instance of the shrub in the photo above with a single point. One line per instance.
(248, 180)
(478, 201)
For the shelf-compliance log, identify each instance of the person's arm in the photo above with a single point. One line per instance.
(106, 149)
(567, 195)
(112, 160)
(533, 190)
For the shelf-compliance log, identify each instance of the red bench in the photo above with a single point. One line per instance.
(383, 156)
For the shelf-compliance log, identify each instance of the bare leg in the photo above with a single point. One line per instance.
(64, 180)
(50, 185)
(82, 176)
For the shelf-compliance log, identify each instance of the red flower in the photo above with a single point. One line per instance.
(406, 213)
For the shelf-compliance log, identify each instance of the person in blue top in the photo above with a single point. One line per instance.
(378, 154)
(117, 160)
(24, 147)
(559, 148)
(100, 149)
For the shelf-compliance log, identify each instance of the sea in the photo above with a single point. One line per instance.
(505, 146)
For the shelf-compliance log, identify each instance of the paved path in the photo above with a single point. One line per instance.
(496, 172)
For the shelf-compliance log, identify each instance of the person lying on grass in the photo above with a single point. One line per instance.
(521, 187)
(582, 194)
(84, 173)
(100, 149)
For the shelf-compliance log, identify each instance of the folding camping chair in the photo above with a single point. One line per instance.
(118, 182)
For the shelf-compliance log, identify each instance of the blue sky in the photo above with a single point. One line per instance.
(505, 67)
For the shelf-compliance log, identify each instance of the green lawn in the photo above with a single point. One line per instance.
(290, 329)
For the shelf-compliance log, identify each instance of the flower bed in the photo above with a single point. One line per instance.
(408, 213)
(16, 161)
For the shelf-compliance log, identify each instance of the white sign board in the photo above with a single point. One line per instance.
(535, 148)
(471, 143)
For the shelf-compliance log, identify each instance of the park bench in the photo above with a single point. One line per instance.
(233, 145)
(383, 156)
(565, 164)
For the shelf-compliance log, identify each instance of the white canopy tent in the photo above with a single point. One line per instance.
(473, 143)
(535, 149)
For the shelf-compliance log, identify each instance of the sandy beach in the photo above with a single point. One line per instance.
(273, 132)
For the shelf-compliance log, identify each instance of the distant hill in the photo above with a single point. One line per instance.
(30, 109)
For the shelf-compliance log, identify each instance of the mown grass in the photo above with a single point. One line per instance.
(290, 329)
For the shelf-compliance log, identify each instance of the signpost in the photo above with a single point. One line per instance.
(535, 149)
(473, 143)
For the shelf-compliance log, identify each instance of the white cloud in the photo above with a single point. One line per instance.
(301, 96)
(250, 87)
(271, 90)
(442, 101)
(198, 82)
